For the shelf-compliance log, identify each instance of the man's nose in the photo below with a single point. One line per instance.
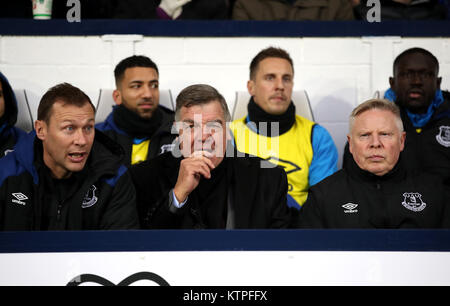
(375, 141)
(417, 77)
(147, 92)
(80, 138)
(280, 83)
(206, 133)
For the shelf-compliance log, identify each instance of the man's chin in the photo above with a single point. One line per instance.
(146, 115)
(76, 167)
(278, 109)
(417, 106)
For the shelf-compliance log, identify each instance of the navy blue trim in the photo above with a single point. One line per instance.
(110, 125)
(113, 181)
(225, 28)
(445, 114)
(221, 240)
(291, 202)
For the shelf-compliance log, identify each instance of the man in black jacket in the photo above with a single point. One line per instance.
(66, 176)
(138, 123)
(9, 134)
(205, 183)
(374, 190)
(425, 112)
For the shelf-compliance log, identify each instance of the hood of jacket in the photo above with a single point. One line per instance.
(10, 105)
(166, 124)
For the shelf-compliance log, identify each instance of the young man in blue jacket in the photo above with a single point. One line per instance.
(138, 123)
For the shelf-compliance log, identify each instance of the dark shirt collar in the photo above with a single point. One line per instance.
(397, 173)
(257, 115)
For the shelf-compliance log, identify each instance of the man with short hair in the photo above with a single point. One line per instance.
(65, 175)
(304, 148)
(425, 112)
(375, 190)
(205, 184)
(425, 109)
(9, 134)
(138, 123)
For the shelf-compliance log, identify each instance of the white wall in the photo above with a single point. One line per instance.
(338, 73)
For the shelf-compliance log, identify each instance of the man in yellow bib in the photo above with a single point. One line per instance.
(273, 131)
(138, 123)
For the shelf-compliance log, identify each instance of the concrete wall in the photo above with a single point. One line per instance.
(337, 73)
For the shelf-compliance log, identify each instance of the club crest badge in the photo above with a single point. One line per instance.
(167, 148)
(413, 201)
(90, 198)
(444, 136)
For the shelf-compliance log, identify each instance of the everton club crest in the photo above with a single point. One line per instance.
(444, 136)
(413, 201)
(90, 199)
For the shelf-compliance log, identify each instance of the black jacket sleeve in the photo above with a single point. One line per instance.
(310, 215)
(166, 215)
(281, 214)
(152, 191)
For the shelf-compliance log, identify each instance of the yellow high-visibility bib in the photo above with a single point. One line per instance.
(291, 150)
(139, 152)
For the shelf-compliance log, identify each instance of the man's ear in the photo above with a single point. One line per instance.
(402, 141)
(117, 96)
(251, 87)
(391, 82)
(349, 143)
(41, 129)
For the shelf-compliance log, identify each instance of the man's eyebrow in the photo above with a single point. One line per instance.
(216, 121)
(141, 81)
(65, 121)
(136, 81)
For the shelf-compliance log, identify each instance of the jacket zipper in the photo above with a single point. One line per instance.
(58, 214)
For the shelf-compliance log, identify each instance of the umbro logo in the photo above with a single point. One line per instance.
(19, 198)
(7, 152)
(350, 208)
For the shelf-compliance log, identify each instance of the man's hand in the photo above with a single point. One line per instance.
(173, 8)
(191, 170)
